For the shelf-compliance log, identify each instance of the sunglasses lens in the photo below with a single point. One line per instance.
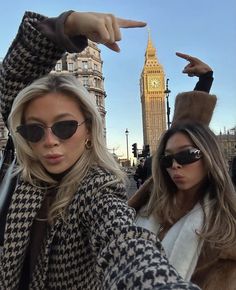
(31, 132)
(184, 157)
(65, 129)
(166, 161)
(188, 156)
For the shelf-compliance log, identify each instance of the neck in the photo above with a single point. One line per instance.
(186, 199)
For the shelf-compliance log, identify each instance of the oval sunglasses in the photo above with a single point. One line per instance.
(35, 132)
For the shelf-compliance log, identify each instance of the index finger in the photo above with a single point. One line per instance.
(183, 55)
(128, 23)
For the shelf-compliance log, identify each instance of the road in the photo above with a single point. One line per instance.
(131, 186)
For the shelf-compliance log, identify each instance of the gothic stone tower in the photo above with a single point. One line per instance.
(152, 87)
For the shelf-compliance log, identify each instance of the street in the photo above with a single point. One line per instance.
(132, 187)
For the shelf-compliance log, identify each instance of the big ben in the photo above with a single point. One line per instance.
(152, 87)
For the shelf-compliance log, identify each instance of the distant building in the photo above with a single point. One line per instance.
(227, 141)
(87, 67)
(152, 90)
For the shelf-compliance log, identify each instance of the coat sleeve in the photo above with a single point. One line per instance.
(205, 82)
(194, 106)
(128, 257)
(34, 52)
(221, 276)
(197, 105)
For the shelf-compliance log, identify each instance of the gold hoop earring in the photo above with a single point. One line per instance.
(88, 144)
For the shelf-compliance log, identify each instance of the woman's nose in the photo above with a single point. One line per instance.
(49, 138)
(175, 164)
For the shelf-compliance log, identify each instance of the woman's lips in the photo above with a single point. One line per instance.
(53, 159)
(178, 178)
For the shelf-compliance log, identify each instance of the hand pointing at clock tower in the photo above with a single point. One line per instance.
(99, 27)
(195, 67)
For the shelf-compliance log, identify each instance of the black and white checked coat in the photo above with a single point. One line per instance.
(98, 247)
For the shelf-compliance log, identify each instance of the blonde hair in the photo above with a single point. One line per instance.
(219, 227)
(32, 170)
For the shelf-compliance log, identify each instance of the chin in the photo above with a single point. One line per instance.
(55, 169)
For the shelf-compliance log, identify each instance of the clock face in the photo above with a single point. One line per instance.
(153, 83)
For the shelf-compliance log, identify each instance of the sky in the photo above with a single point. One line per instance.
(204, 28)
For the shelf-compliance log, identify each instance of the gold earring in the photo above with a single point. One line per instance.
(88, 144)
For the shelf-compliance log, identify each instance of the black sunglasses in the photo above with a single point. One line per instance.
(35, 132)
(184, 157)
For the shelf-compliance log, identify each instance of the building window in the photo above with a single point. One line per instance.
(70, 66)
(98, 100)
(84, 64)
(97, 83)
(58, 66)
(95, 66)
(85, 81)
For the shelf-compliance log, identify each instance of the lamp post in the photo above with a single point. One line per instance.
(167, 92)
(127, 142)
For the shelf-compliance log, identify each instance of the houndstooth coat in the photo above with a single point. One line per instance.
(98, 247)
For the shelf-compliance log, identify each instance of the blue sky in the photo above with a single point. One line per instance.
(203, 28)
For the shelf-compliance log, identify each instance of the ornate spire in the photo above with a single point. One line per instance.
(150, 54)
(151, 50)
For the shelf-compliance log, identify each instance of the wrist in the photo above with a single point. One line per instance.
(206, 74)
(69, 25)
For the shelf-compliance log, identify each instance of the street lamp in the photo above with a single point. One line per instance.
(167, 92)
(127, 142)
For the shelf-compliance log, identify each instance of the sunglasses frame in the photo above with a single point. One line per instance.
(23, 130)
(191, 155)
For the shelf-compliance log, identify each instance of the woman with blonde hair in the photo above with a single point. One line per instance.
(192, 206)
(68, 225)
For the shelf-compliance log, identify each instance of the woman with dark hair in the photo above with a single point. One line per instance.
(192, 206)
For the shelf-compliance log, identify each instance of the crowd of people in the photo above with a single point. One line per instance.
(68, 224)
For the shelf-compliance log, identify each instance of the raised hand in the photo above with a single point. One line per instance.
(195, 67)
(99, 27)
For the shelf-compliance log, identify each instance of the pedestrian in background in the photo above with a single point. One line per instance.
(139, 175)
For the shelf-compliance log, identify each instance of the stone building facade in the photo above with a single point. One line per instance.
(227, 141)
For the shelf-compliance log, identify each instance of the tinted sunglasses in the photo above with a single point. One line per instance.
(184, 157)
(35, 132)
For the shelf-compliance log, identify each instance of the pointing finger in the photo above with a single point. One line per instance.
(183, 55)
(126, 23)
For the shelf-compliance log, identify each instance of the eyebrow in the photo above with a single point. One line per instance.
(179, 148)
(58, 117)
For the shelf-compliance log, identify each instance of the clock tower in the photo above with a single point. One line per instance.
(152, 87)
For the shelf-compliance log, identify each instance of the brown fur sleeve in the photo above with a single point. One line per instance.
(195, 106)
